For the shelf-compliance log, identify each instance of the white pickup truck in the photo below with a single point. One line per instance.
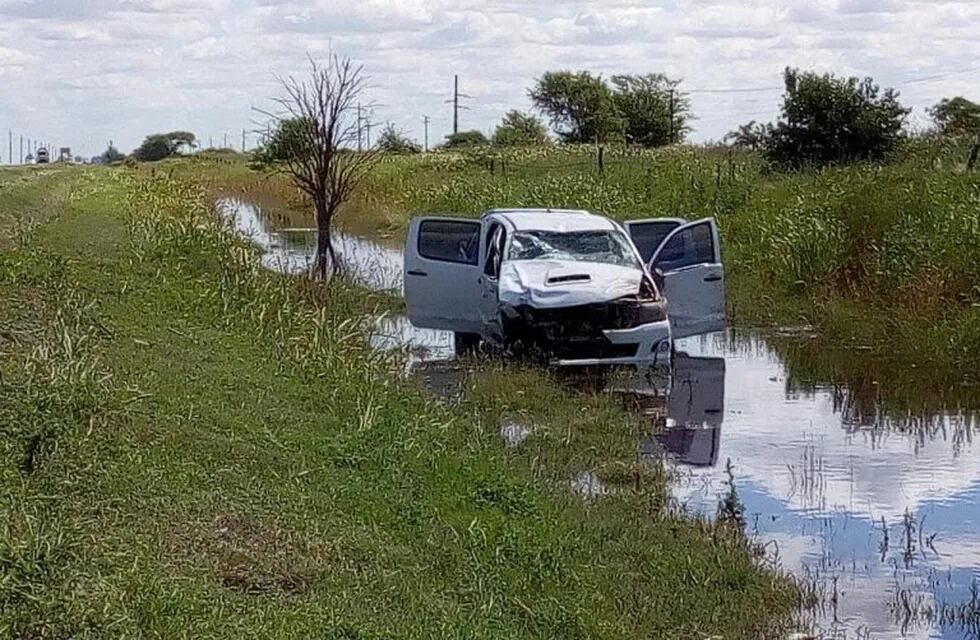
(582, 287)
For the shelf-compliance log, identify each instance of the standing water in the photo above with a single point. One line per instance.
(877, 507)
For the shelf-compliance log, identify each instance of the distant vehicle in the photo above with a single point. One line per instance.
(42, 156)
(585, 288)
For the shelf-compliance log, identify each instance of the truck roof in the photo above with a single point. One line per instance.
(559, 220)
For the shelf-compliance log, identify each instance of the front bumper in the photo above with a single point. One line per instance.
(623, 331)
(652, 342)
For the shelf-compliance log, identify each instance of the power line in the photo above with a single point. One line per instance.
(742, 90)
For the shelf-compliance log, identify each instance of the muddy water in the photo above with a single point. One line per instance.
(872, 495)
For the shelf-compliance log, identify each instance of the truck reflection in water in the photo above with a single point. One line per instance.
(686, 414)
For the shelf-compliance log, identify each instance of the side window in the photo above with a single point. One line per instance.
(647, 236)
(690, 246)
(450, 241)
(495, 250)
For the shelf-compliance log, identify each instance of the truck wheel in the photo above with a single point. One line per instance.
(465, 343)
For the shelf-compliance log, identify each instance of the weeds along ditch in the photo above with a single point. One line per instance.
(222, 453)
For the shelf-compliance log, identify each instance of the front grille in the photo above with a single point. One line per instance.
(592, 319)
(573, 333)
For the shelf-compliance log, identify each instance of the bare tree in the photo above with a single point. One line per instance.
(318, 133)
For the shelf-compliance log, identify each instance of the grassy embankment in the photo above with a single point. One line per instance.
(193, 447)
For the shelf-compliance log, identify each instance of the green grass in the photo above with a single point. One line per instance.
(194, 447)
(28, 196)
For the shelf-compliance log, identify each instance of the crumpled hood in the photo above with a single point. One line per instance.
(549, 284)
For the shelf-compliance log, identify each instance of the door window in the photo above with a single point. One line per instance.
(692, 245)
(495, 250)
(647, 236)
(450, 241)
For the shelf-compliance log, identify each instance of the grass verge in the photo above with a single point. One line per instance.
(195, 447)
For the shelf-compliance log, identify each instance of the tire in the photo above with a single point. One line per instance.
(465, 343)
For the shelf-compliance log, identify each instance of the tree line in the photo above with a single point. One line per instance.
(824, 118)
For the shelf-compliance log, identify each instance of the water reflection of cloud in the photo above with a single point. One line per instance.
(798, 448)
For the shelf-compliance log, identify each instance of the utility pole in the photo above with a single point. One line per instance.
(359, 124)
(456, 105)
(226, 141)
(10, 146)
(671, 139)
(425, 121)
(22, 148)
(243, 140)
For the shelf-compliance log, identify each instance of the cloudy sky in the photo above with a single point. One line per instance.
(80, 72)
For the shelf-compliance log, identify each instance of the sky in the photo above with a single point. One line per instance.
(81, 72)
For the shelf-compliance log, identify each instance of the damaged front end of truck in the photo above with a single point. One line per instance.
(573, 325)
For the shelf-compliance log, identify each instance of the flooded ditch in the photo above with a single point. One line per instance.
(873, 498)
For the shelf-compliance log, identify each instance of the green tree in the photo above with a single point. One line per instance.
(392, 140)
(158, 146)
(654, 111)
(465, 139)
(519, 129)
(827, 120)
(751, 135)
(956, 116)
(291, 139)
(580, 106)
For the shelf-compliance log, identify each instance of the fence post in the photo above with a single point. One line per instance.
(491, 166)
(973, 156)
(601, 160)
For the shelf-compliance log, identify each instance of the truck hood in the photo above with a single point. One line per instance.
(550, 284)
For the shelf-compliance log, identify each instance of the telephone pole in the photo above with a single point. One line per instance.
(10, 146)
(360, 146)
(456, 105)
(671, 139)
(425, 121)
(22, 149)
(243, 140)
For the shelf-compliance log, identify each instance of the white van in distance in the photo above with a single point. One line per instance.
(579, 286)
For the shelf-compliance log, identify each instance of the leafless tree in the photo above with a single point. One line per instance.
(318, 128)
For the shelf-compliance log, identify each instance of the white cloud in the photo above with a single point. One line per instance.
(122, 68)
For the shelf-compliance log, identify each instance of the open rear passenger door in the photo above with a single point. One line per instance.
(648, 234)
(442, 271)
(688, 264)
